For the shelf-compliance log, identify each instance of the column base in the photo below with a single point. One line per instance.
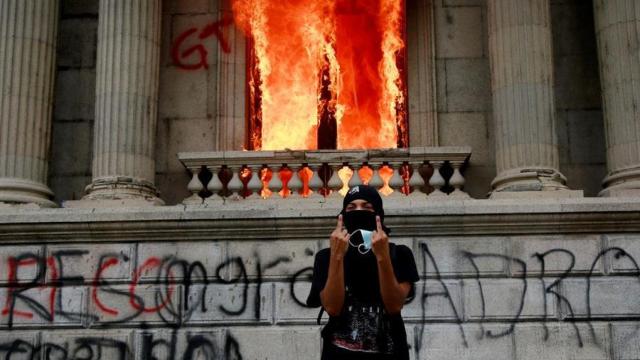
(531, 183)
(625, 183)
(120, 191)
(15, 192)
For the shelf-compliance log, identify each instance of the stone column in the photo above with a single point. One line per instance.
(618, 36)
(27, 68)
(128, 65)
(521, 58)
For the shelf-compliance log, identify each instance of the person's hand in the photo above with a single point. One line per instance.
(339, 240)
(380, 241)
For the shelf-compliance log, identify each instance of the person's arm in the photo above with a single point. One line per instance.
(393, 293)
(332, 296)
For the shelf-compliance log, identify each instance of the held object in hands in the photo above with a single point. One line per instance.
(365, 246)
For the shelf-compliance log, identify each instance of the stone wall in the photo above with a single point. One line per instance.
(498, 281)
(187, 108)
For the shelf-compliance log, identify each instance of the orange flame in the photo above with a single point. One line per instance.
(352, 48)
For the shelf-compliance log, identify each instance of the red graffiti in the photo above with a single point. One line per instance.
(13, 286)
(133, 300)
(96, 283)
(51, 264)
(14, 264)
(179, 56)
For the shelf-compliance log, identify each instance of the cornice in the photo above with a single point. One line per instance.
(302, 219)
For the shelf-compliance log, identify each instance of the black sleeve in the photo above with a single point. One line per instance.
(405, 268)
(319, 277)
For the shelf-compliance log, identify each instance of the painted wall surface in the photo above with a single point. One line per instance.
(479, 297)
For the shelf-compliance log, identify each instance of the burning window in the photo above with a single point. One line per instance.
(325, 74)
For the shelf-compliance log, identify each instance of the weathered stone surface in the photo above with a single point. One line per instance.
(77, 48)
(451, 255)
(182, 94)
(154, 304)
(463, 2)
(165, 343)
(630, 244)
(275, 259)
(287, 308)
(468, 129)
(71, 187)
(24, 344)
(446, 341)
(42, 306)
(459, 32)
(507, 300)
(112, 262)
(187, 135)
(18, 263)
(468, 85)
(83, 343)
(560, 254)
(75, 157)
(171, 256)
(230, 304)
(608, 297)
(297, 343)
(71, 105)
(191, 7)
(80, 7)
(577, 83)
(626, 341)
(585, 177)
(587, 145)
(437, 305)
(562, 341)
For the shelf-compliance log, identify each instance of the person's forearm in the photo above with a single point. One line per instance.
(332, 296)
(393, 295)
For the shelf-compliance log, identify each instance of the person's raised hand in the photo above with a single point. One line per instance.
(380, 241)
(339, 240)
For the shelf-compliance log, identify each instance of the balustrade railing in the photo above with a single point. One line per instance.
(429, 172)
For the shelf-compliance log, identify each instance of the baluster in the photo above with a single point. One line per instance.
(214, 186)
(335, 183)
(396, 182)
(235, 185)
(315, 182)
(276, 183)
(416, 182)
(457, 180)
(376, 181)
(255, 183)
(436, 180)
(194, 186)
(355, 178)
(295, 184)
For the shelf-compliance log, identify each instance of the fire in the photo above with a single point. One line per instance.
(325, 73)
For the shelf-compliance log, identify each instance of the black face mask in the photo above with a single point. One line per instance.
(359, 219)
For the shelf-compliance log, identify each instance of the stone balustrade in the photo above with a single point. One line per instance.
(433, 172)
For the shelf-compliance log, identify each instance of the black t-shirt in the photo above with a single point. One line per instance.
(364, 330)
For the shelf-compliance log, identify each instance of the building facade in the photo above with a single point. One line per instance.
(133, 224)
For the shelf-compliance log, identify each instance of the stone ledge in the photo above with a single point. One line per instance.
(296, 219)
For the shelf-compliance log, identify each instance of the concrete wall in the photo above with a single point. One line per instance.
(480, 297)
(187, 106)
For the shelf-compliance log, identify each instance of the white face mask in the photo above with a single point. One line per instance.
(365, 247)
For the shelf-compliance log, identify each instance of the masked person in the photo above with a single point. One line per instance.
(362, 281)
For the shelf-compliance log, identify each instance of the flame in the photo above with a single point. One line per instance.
(331, 63)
